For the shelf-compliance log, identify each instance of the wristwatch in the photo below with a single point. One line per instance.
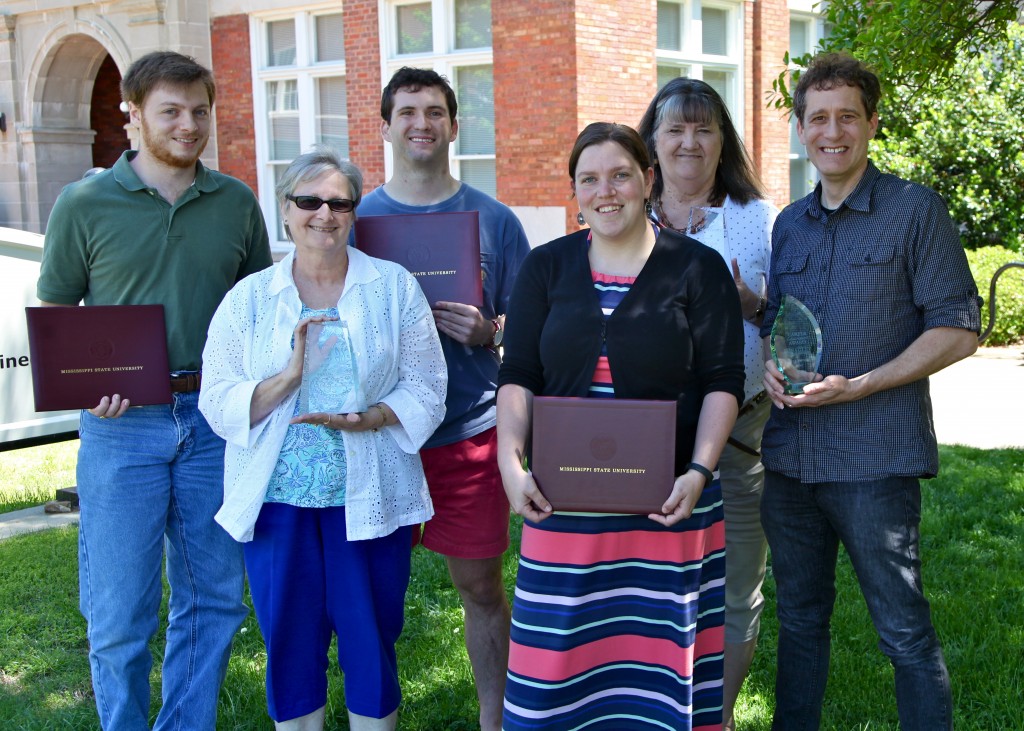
(497, 337)
(759, 312)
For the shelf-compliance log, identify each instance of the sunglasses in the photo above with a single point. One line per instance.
(312, 203)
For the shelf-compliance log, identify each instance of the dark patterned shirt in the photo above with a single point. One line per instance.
(877, 272)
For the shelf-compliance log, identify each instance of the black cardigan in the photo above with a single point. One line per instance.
(678, 333)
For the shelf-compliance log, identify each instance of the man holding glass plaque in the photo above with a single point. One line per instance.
(878, 263)
(471, 512)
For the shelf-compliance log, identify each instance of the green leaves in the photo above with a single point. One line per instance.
(966, 143)
(952, 76)
(914, 44)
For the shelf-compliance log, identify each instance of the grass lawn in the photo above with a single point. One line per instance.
(973, 548)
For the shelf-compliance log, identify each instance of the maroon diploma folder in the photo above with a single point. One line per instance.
(604, 455)
(81, 354)
(442, 250)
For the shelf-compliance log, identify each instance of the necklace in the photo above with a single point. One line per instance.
(696, 224)
(663, 219)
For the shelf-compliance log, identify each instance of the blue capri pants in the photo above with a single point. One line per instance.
(309, 581)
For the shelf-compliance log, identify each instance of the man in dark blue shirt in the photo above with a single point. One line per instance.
(878, 261)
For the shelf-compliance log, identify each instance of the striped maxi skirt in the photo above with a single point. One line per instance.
(618, 623)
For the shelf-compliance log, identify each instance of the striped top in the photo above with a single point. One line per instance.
(610, 292)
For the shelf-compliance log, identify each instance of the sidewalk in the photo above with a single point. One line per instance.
(978, 402)
(34, 519)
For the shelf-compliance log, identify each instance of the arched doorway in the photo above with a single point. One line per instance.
(59, 144)
(105, 116)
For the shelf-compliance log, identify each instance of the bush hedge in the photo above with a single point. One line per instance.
(1009, 325)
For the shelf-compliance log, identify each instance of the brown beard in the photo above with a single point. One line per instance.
(159, 152)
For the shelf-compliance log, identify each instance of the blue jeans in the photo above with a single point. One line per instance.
(150, 479)
(877, 522)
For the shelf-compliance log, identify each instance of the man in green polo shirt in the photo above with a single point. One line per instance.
(156, 228)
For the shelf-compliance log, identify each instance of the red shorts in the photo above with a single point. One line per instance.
(471, 511)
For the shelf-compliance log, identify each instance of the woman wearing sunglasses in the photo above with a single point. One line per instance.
(323, 500)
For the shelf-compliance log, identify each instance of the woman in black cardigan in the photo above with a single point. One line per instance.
(620, 616)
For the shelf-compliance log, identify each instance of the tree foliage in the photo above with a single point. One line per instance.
(913, 44)
(950, 118)
(966, 144)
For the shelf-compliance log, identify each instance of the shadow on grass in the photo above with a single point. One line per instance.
(972, 548)
(973, 554)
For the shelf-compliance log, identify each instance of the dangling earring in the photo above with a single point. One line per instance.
(580, 220)
(648, 207)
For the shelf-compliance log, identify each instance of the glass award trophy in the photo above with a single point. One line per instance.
(796, 344)
(330, 372)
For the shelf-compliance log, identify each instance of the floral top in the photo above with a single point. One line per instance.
(311, 469)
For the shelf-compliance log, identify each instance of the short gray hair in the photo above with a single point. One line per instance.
(320, 159)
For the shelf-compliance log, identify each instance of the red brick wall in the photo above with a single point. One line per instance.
(232, 68)
(615, 45)
(559, 65)
(750, 99)
(363, 85)
(769, 145)
(106, 117)
(535, 116)
(617, 75)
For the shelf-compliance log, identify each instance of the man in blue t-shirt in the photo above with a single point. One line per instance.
(470, 524)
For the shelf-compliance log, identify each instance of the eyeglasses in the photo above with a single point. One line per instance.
(312, 203)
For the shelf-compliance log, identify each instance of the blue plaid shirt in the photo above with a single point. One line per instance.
(877, 272)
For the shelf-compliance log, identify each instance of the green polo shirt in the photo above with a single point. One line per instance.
(113, 241)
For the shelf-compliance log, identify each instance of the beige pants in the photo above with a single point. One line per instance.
(746, 549)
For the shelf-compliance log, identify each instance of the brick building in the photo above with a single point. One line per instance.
(529, 75)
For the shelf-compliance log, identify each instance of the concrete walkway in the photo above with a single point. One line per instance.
(34, 519)
(978, 402)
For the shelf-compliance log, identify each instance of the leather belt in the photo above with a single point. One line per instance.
(754, 401)
(186, 382)
(746, 408)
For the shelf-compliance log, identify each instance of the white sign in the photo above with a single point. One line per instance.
(20, 254)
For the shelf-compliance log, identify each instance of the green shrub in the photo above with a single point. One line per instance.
(1009, 325)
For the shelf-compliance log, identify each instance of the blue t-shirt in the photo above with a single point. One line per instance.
(472, 371)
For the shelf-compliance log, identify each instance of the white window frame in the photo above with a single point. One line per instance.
(445, 59)
(692, 55)
(306, 71)
(815, 32)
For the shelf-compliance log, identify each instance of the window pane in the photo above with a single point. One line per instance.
(281, 43)
(799, 40)
(801, 181)
(277, 171)
(472, 23)
(415, 28)
(667, 73)
(669, 17)
(480, 174)
(715, 31)
(796, 147)
(475, 88)
(719, 81)
(332, 117)
(283, 119)
(330, 38)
